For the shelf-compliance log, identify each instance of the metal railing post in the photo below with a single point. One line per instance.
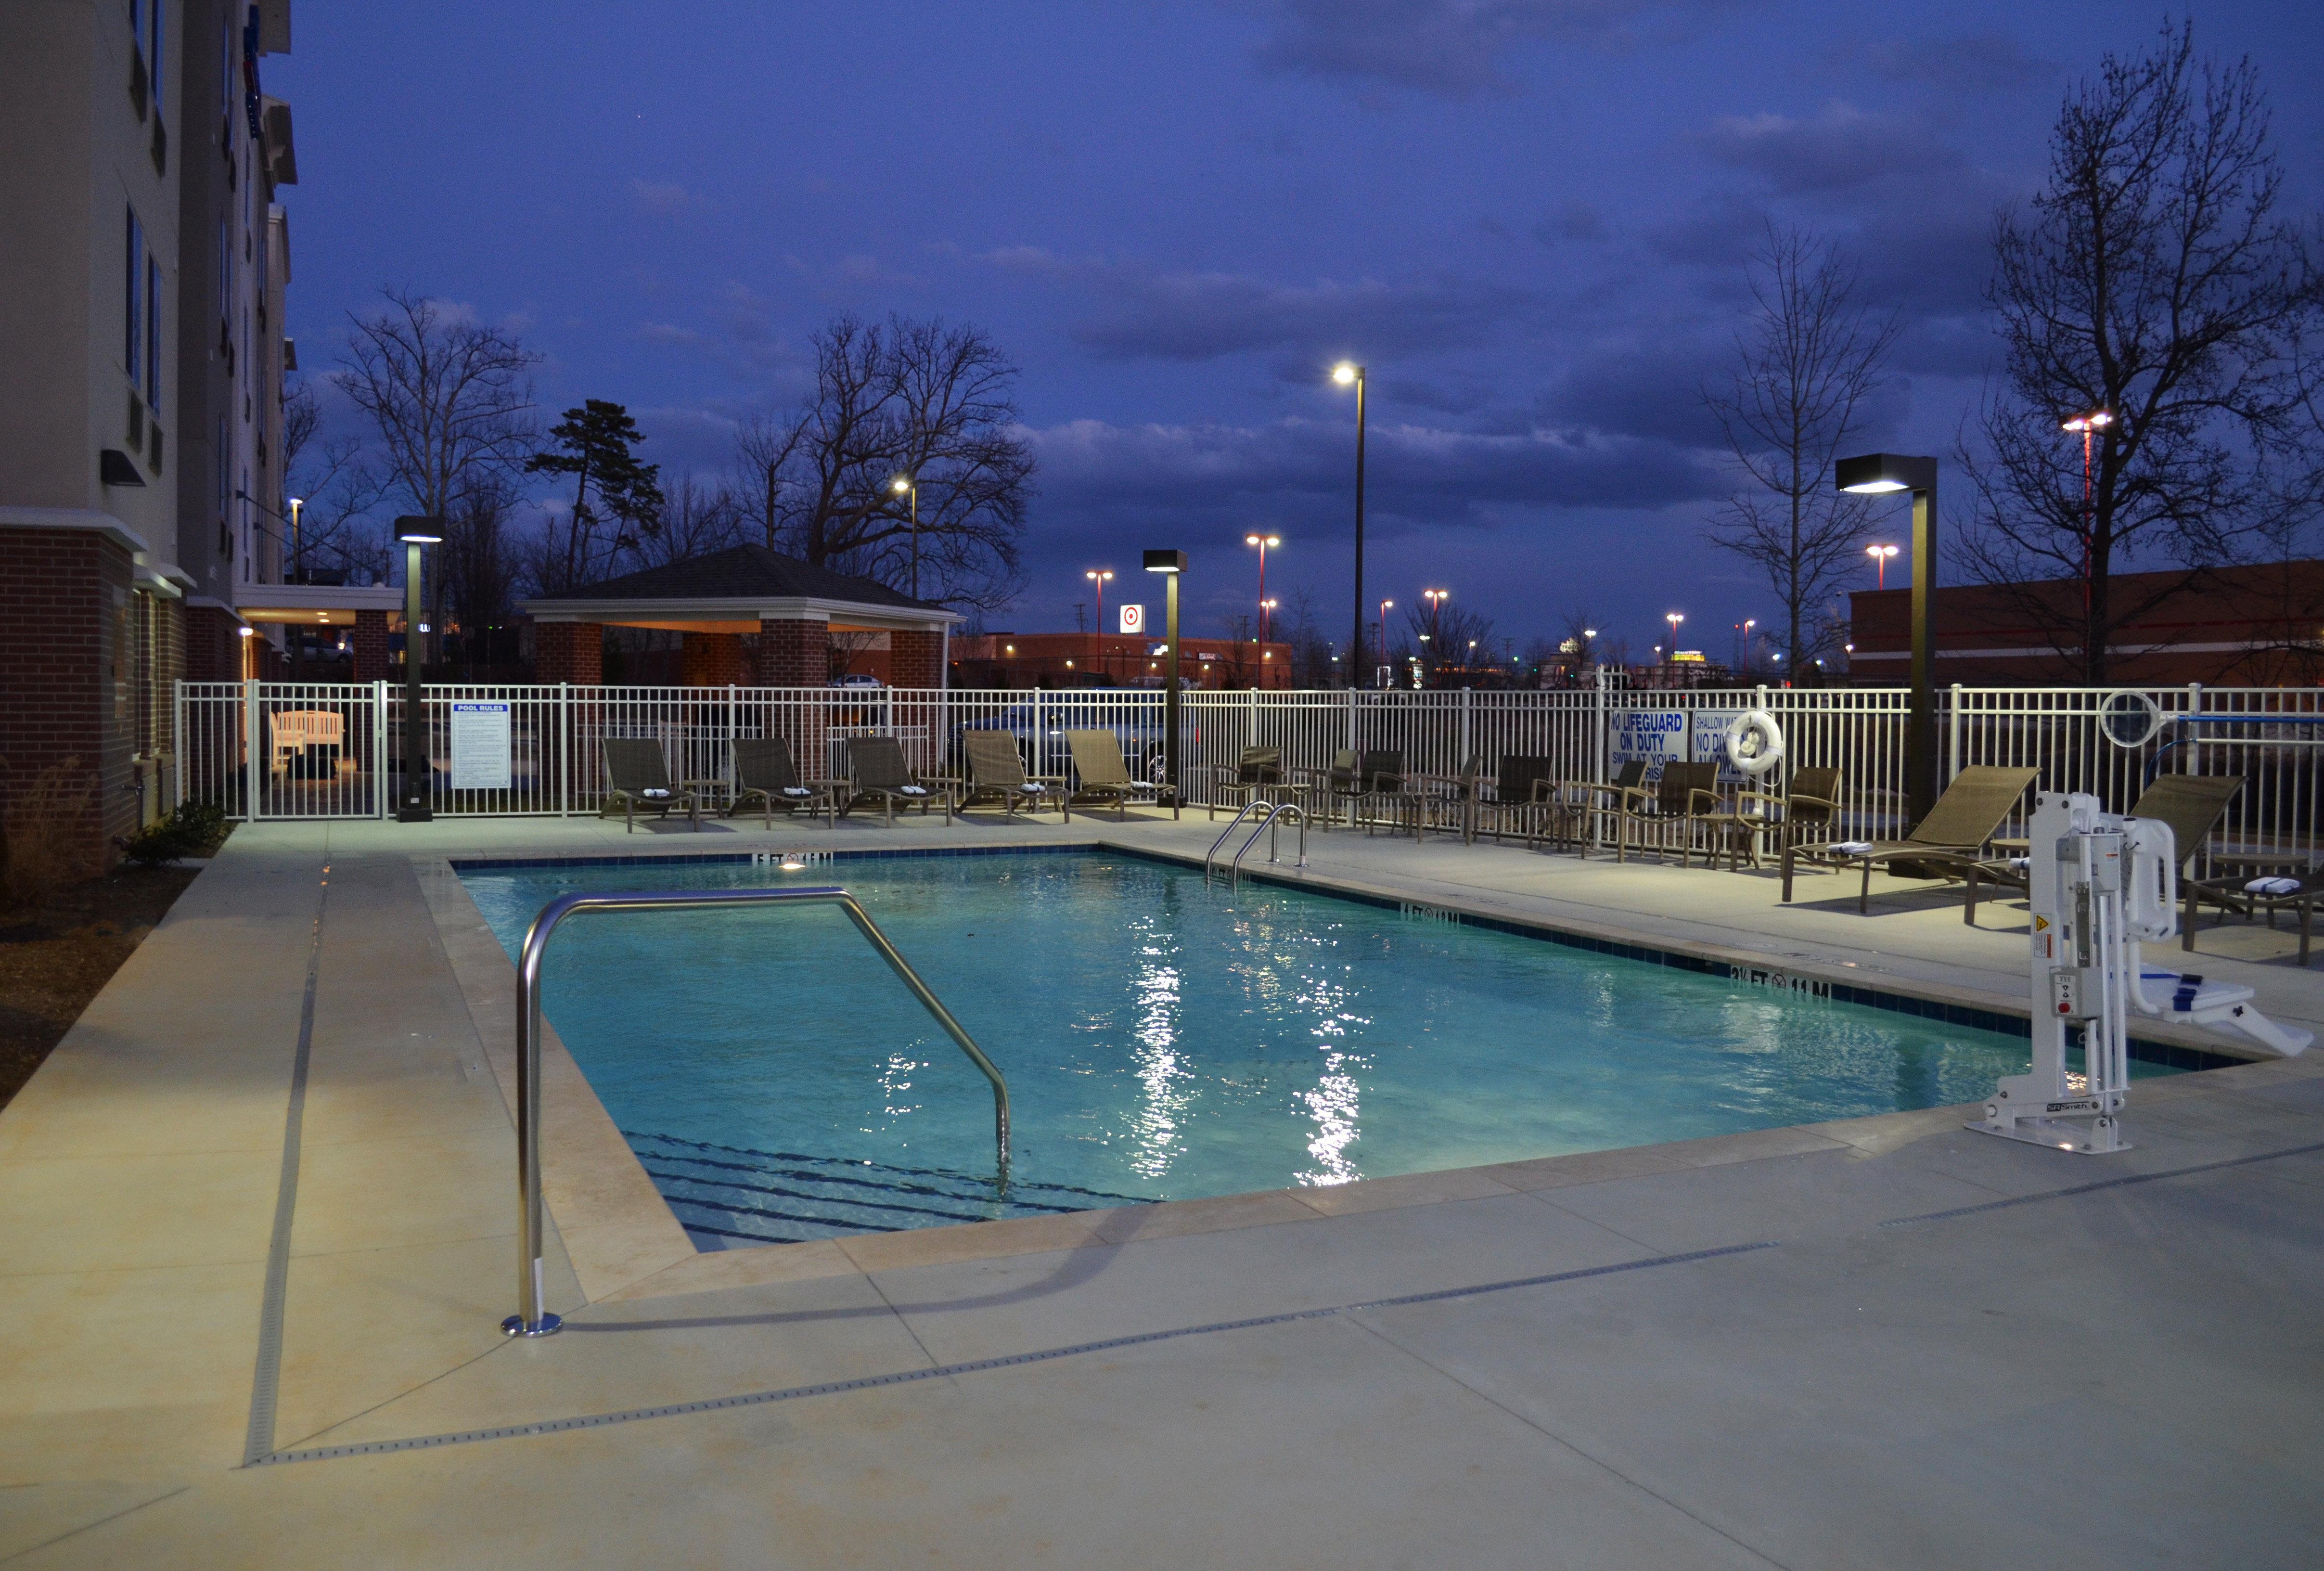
(177, 735)
(1953, 737)
(251, 745)
(532, 1319)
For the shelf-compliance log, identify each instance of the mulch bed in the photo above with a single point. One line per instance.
(54, 959)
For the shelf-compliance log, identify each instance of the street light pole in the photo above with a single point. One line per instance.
(1262, 541)
(1172, 566)
(1872, 475)
(911, 483)
(1348, 373)
(1880, 555)
(1435, 598)
(1100, 577)
(418, 784)
(2090, 424)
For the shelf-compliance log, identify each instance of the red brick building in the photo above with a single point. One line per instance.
(2243, 626)
(1120, 660)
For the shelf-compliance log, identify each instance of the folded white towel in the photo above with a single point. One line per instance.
(2021, 863)
(1033, 787)
(915, 790)
(797, 792)
(2271, 886)
(656, 792)
(1854, 847)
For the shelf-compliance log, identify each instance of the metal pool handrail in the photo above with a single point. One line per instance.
(1272, 824)
(531, 1319)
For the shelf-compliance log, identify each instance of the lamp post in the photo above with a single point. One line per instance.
(1100, 577)
(419, 785)
(1348, 373)
(297, 557)
(1674, 618)
(1873, 475)
(1435, 598)
(2088, 425)
(1262, 541)
(1265, 612)
(1355, 678)
(1171, 564)
(1880, 555)
(911, 484)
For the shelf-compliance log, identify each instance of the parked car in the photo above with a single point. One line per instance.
(857, 679)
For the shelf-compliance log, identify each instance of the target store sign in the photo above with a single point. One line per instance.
(1133, 619)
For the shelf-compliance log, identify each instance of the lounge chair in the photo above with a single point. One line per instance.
(637, 777)
(1258, 770)
(2191, 804)
(1808, 812)
(764, 773)
(1683, 795)
(1101, 773)
(1953, 835)
(996, 772)
(877, 772)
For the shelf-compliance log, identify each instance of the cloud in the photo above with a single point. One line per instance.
(1841, 149)
(664, 197)
(1966, 64)
(1194, 317)
(1574, 221)
(1454, 48)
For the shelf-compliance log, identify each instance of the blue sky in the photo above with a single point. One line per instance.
(1526, 217)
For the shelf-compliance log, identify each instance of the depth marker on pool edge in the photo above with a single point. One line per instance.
(1042, 1355)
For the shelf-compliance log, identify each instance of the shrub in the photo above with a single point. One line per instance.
(195, 829)
(46, 845)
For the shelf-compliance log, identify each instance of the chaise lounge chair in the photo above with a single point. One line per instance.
(1954, 835)
(2191, 804)
(637, 779)
(763, 773)
(996, 772)
(1101, 773)
(877, 772)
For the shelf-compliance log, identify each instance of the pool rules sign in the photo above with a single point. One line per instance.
(481, 747)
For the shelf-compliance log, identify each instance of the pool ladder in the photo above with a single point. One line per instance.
(532, 1318)
(1271, 817)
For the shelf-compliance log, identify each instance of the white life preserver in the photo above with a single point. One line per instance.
(1755, 743)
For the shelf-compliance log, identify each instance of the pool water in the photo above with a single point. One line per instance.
(1162, 1040)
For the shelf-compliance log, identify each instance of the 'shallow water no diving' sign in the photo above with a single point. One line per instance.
(480, 747)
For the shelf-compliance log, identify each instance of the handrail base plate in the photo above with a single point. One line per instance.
(548, 1325)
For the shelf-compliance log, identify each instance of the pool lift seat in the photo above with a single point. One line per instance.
(2098, 885)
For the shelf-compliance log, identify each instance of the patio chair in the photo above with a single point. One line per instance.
(1457, 792)
(1808, 811)
(1954, 835)
(996, 772)
(1101, 773)
(1380, 778)
(1683, 795)
(877, 770)
(1516, 801)
(637, 777)
(2191, 804)
(1341, 782)
(1258, 770)
(763, 771)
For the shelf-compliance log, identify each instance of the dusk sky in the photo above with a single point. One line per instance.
(1528, 217)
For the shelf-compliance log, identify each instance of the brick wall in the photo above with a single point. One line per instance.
(213, 645)
(915, 660)
(370, 642)
(67, 654)
(568, 651)
(712, 660)
(794, 654)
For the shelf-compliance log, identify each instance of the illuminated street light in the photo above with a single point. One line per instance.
(1880, 555)
(1262, 541)
(2088, 425)
(1348, 373)
(909, 484)
(1877, 474)
(1100, 577)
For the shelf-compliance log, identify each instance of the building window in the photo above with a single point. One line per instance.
(152, 42)
(133, 321)
(152, 333)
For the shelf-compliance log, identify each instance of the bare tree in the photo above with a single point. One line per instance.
(448, 403)
(326, 474)
(477, 567)
(2153, 279)
(693, 519)
(918, 401)
(1805, 368)
(1447, 637)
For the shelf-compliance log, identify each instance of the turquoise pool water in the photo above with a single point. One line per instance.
(1162, 1040)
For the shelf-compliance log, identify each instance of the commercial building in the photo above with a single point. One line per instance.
(2241, 626)
(140, 450)
(1118, 660)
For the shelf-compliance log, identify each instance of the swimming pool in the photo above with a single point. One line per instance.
(1162, 1040)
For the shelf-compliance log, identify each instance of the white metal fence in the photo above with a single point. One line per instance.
(282, 750)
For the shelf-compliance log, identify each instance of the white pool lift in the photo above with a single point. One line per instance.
(2100, 885)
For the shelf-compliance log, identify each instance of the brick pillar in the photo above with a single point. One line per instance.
(712, 660)
(798, 654)
(568, 651)
(916, 658)
(213, 648)
(371, 646)
(68, 653)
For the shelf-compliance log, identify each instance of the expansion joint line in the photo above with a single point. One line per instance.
(267, 1379)
(2124, 1182)
(976, 1366)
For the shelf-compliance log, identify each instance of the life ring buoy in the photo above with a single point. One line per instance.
(1755, 743)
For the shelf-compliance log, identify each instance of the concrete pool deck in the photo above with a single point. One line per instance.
(1884, 1343)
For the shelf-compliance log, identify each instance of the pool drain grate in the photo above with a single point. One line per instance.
(976, 1366)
